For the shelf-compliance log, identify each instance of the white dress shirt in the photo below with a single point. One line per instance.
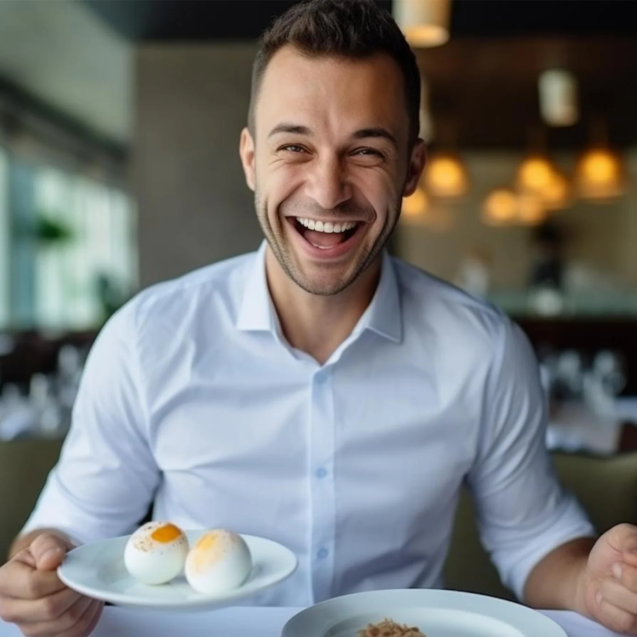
(193, 400)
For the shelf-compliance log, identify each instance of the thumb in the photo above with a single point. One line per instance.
(48, 551)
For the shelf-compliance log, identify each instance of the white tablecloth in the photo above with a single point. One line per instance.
(247, 622)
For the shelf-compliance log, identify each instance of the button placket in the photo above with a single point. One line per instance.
(322, 485)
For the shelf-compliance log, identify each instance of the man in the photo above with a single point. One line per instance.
(318, 392)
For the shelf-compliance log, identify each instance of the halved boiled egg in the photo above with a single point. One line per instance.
(218, 562)
(156, 552)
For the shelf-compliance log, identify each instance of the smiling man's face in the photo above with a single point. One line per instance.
(329, 164)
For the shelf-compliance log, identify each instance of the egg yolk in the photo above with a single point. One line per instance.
(208, 550)
(166, 533)
(206, 542)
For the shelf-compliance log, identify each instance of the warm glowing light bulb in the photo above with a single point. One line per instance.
(500, 207)
(599, 174)
(446, 177)
(535, 174)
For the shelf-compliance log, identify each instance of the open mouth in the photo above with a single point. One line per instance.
(325, 235)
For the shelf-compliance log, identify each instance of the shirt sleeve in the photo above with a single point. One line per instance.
(105, 479)
(522, 511)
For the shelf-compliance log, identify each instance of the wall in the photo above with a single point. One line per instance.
(194, 206)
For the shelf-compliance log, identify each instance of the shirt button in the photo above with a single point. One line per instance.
(321, 473)
(322, 554)
(321, 378)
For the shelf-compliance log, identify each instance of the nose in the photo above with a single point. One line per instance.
(327, 183)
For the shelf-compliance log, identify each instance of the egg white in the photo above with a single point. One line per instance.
(220, 561)
(154, 558)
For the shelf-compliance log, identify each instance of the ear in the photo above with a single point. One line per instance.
(417, 163)
(246, 151)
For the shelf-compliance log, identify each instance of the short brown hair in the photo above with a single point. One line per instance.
(343, 29)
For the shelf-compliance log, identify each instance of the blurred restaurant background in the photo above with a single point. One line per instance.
(119, 168)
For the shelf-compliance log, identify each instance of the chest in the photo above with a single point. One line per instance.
(397, 436)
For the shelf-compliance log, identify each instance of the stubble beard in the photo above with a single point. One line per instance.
(276, 242)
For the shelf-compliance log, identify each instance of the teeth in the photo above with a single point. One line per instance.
(328, 227)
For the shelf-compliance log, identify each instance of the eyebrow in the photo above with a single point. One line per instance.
(363, 133)
(290, 128)
(381, 133)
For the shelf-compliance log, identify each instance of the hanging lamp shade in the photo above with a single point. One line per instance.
(600, 174)
(500, 207)
(425, 23)
(558, 97)
(535, 174)
(446, 176)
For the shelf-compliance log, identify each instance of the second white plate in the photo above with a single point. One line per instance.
(435, 613)
(97, 570)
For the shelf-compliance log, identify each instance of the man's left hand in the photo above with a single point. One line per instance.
(608, 584)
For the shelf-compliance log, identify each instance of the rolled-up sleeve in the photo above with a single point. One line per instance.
(105, 479)
(523, 512)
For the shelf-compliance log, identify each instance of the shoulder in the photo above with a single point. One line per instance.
(208, 290)
(448, 313)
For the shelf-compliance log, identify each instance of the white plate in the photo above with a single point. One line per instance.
(435, 613)
(98, 570)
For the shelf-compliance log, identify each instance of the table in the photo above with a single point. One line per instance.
(248, 622)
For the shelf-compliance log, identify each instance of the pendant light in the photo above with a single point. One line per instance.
(599, 174)
(600, 171)
(535, 174)
(425, 23)
(446, 176)
(500, 207)
(558, 97)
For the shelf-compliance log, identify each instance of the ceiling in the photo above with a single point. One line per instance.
(484, 93)
(196, 20)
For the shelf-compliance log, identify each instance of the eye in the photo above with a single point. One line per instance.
(293, 148)
(368, 152)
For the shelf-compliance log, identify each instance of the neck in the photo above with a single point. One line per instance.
(315, 324)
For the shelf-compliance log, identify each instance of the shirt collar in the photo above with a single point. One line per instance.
(383, 315)
(257, 313)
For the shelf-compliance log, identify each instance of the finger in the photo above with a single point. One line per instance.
(88, 622)
(615, 593)
(21, 581)
(623, 537)
(48, 551)
(25, 557)
(627, 575)
(18, 611)
(617, 619)
(63, 625)
(630, 557)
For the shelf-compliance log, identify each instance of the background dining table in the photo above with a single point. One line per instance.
(248, 622)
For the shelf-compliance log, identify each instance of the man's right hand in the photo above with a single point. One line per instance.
(33, 596)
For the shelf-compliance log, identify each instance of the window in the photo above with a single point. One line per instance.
(91, 266)
(4, 240)
(77, 261)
